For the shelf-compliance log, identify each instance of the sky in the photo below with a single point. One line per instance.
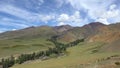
(19, 14)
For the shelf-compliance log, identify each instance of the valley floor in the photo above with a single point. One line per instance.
(85, 55)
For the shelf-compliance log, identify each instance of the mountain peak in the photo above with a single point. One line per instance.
(94, 24)
(63, 28)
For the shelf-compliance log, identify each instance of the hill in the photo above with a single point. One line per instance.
(81, 32)
(28, 39)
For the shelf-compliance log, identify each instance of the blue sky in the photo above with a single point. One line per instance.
(18, 14)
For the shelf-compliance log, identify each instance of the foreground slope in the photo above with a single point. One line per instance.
(81, 56)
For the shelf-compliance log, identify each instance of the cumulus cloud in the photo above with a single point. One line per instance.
(46, 18)
(69, 19)
(98, 10)
(61, 23)
(109, 16)
(104, 20)
(63, 18)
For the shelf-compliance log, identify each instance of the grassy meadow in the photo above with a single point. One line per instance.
(85, 55)
(18, 46)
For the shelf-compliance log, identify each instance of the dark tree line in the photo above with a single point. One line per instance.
(6, 63)
(74, 43)
(57, 50)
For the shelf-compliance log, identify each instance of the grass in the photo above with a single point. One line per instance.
(76, 56)
(15, 47)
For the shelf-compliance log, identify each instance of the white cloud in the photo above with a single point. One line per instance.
(69, 19)
(15, 11)
(76, 17)
(63, 18)
(90, 4)
(14, 23)
(47, 18)
(42, 18)
(61, 23)
(113, 6)
(110, 15)
(14, 29)
(99, 10)
(26, 15)
(104, 20)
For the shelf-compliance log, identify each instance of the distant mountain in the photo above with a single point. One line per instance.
(107, 34)
(31, 32)
(92, 32)
(81, 32)
(35, 32)
(62, 28)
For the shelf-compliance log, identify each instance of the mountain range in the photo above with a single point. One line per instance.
(95, 30)
(92, 32)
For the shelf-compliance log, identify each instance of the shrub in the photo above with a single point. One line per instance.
(117, 63)
(94, 51)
